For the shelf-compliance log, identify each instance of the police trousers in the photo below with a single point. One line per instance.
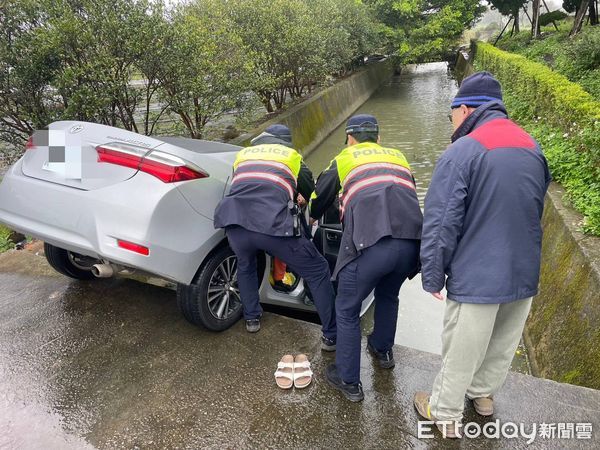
(299, 254)
(382, 267)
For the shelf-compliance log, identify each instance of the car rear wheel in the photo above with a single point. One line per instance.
(69, 263)
(213, 299)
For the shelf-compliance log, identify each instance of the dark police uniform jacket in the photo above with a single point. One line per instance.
(266, 181)
(377, 197)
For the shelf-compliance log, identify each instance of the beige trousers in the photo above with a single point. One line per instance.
(478, 345)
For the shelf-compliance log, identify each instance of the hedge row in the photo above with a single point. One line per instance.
(550, 94)
(561, 116)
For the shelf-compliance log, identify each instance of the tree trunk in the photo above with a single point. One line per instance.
(593, 13)
(265, 98)
(502, 32)
(579, 18)
(535, 21)
(517, 28)
(528, 18)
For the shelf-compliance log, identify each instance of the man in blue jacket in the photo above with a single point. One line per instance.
(482, 229)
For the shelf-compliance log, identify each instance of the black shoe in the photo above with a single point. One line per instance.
(385, 359)
(252, 325)
(353, 392)
(327, 345)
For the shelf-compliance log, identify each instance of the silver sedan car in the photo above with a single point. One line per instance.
(108, 202)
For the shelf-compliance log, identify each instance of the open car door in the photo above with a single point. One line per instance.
(328, 238)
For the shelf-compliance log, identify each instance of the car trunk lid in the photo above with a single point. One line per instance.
(66, 154)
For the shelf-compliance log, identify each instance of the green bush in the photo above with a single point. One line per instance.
(548, 18)
(5, 242)
(585, 50)
(561, 116)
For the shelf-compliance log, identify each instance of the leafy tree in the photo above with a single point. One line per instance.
(570, 5)
(151, 52)
(295, 44)
(99, 48)
(553, 16)
(27, 65)
(73, 60)
(509, 8)
(206, 72)
(573, 6)
(425, 30)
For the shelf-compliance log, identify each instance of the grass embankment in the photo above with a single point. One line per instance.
(578, 59)
(561, 116)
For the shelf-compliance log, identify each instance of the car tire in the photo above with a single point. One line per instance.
(212, 300)
(60, 261)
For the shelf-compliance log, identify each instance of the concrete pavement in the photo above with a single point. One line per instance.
(112, 364)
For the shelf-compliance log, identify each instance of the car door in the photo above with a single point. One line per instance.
(327, 239)
(328, 235)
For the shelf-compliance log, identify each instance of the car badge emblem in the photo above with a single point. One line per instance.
(76, 129)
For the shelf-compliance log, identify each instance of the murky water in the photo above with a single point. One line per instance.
(412, 111)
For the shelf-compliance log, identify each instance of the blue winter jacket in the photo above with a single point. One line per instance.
(483, 210)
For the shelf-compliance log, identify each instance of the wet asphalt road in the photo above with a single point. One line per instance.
(112, 364)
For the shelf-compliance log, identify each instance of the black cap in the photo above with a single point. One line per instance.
(280, 131)
(361, 123)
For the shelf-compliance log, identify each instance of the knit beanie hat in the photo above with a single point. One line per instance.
(477, 89)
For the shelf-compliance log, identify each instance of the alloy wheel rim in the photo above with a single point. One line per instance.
(223, 294)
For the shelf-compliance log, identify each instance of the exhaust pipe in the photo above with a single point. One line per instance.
(103, 270)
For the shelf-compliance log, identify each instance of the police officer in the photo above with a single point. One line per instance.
(379, 249)
(260, 213)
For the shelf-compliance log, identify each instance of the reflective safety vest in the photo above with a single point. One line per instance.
(377, 197)
(271, 163)
(263, 190)
(367, 164)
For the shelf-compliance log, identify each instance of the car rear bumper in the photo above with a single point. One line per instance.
(139, 210)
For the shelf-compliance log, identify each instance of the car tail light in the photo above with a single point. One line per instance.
(30, 143)
(121, 155)
(164, 166)
(133, 247)
(170, 168)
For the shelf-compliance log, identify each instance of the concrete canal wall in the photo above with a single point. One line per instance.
(314, 119)
(562, 333)
(563, 330)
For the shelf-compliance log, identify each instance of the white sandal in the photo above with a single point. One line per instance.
(302, 372)
(285, 378)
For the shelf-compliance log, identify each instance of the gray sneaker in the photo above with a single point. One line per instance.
(448, 429)
(252, 325)
(484, 405)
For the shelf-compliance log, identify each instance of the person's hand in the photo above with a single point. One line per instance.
(438, 296)
(301, 200)
(312, 221)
